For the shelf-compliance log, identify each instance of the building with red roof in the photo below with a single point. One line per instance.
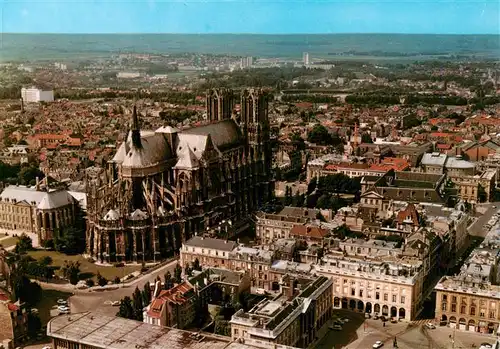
(13, 320)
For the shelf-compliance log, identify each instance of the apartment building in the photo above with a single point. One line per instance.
(270, 227)
(376, 277)
(217, 253)
(179, 306)
(470, 301)
(34, 95)
(290, 319)
(16, 155)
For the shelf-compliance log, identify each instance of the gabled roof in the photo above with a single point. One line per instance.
(372, 192)
(187, 159)
(224, 133)
(43, 200)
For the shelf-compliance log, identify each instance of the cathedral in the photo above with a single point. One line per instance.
(164, 186)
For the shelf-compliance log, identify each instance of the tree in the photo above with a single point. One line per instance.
(126, 309)
(196, 264)
(137, 304)
(146, 294)
(222, 326)
(298, 200)
(71, 271)
(366, 138)
(178, 274)
(288, 196)
(319, 135)
(34, 325)
(46, 260)
(101, 280)
(168, 281)
(188, 271)
(24, 244)
(74, 240)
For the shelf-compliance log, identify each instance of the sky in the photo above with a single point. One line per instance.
(251, 16)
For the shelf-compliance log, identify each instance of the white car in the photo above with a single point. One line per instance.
(115, 303)
(430, 325)
(47, 347)
(62, 308)
(61, 302)
(378, 344)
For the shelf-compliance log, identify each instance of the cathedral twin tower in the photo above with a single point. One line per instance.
(164, 186)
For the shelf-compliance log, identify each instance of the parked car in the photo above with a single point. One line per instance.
(430, 325)
(62, 307)
(376, 317)
(345, 319)
(61, 301)
(115, 303)
(336, 327)
(394, 320)
(378, 344)
(367, 316)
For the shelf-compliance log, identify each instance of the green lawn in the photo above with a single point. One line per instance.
(87, 269)
(9, 242)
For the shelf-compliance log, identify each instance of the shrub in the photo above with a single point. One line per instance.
(117, 280)
(90, 282)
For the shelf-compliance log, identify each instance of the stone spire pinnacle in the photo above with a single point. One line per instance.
(136, 132)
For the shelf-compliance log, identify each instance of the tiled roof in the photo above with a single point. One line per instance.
(308, 231)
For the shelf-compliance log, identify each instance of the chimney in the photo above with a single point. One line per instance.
(37, 185)
(157, 289)
(290, 288)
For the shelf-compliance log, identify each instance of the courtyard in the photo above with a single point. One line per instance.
(87, 268)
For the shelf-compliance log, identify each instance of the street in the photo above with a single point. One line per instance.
(490, 209)
(361, 333)
(84, 300)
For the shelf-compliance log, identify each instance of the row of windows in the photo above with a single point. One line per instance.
(472, 311)
(463, 300)
(369, 294)
(15, 209)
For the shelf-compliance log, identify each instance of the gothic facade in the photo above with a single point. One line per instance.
(164, 186)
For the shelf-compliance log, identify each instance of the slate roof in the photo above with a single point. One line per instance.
(211, 243)
(187, 159)
(154, 150)
(224, 133)
(43, 200)
(434, 159)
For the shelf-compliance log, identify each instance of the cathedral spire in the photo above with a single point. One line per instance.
(136, 132)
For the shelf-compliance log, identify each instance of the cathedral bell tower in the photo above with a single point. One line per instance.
(256, 130)
(135, 134)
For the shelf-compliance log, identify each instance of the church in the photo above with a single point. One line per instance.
(164, 186)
